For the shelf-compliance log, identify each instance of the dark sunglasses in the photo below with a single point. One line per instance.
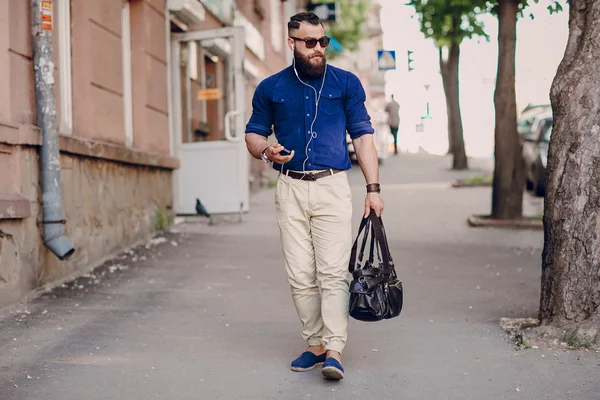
(311, 43)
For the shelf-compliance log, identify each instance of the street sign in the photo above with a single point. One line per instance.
(386, 60)
(209, 94)
(325, 11)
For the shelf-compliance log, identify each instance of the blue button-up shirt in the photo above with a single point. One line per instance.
(283, 102)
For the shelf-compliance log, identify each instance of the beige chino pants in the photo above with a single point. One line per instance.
(316, 234)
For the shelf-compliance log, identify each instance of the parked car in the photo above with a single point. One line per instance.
(530, 118)
(351, 151)
(382, 145)
(535, 154)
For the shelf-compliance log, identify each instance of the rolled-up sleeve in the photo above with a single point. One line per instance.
(358, 121)
(261, 120)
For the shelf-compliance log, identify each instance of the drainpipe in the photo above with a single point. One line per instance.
(43, 66)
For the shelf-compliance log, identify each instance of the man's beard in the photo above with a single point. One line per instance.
(306, 68)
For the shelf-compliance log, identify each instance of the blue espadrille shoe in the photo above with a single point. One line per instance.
(307, 361)
(332, 369)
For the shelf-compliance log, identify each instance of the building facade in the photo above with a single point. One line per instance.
(150, 99)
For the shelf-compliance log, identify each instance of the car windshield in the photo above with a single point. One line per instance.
(528, 118)
(524, 125)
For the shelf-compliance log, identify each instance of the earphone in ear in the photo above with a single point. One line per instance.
(293, 47)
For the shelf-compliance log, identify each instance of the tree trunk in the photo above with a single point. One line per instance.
(449, 69)
(445, 79)
(571, 258)
(509, 174)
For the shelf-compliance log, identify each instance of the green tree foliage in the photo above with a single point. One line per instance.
(554, 6)
(450, 21)
(348, 29)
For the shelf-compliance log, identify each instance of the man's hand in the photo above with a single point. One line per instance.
(374, 201)
(273, 151)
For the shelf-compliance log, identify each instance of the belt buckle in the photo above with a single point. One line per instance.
(309, 177)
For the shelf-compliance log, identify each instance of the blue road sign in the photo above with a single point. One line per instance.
(386, 59)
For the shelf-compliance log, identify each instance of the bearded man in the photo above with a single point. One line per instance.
(311, 105)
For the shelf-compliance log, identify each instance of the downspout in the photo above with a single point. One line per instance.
(43, 68)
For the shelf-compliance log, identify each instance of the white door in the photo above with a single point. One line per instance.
(209, 121)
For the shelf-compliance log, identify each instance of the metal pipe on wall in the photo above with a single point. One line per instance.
(43, 65)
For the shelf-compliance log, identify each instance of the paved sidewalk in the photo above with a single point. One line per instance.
(207, 314)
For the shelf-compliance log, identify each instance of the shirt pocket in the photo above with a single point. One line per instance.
(284, 104)
(331, 101)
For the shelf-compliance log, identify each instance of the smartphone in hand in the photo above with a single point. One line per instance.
(285, 152)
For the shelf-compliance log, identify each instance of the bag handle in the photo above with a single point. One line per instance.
(381, 238)
(375, 225)
(364, 241)
(352, 263)
(372, 247)
(385, 239)
(391, 259)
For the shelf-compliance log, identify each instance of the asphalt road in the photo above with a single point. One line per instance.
(206, 313)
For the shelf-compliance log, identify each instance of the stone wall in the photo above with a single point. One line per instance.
(109, 205)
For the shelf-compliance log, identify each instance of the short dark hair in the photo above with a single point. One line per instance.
(297, 19)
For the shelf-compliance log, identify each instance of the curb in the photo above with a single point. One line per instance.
(461, 184)
(484, 221)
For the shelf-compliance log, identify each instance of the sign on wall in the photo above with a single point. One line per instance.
(47, 15)
(209, 94)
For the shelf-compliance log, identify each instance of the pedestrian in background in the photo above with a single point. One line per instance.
(393, 110)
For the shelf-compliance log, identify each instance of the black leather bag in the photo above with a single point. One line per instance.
(375, 291)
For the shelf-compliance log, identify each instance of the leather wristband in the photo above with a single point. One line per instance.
(373, 188)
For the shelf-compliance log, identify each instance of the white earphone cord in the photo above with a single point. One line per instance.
(313, 134)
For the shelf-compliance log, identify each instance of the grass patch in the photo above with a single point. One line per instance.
(521, 343)
(480, 180)
(576, 340)
(162, 221)
(474, 181)
(533, 218)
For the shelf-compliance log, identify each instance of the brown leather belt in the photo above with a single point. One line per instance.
(310, 176)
